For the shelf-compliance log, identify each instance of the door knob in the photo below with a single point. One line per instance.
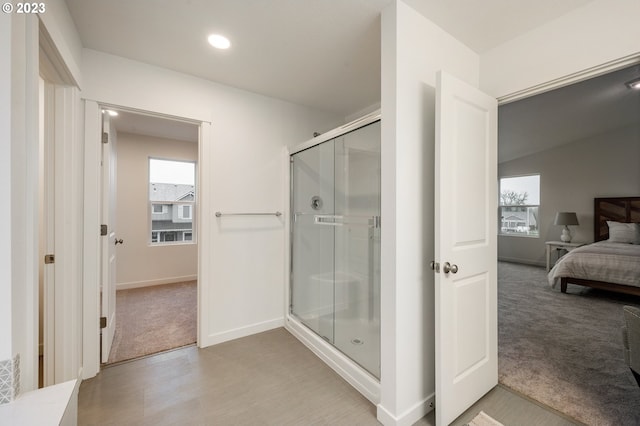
(119, 241)
(447, 267)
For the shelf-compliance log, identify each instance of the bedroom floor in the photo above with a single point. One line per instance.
(565, 350)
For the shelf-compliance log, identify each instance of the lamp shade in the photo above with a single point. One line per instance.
(566, 218)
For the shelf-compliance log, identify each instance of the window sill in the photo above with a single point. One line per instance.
(518, 235)
(172, 244)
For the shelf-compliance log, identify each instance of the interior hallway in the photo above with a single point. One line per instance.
(265, 379)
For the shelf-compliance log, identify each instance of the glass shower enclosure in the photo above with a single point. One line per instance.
(335, 243)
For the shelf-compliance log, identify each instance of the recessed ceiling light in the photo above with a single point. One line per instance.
(219, 42)
(111, 112)
(633, 84)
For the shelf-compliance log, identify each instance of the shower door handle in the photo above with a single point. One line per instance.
(339, 220)
(327, 220)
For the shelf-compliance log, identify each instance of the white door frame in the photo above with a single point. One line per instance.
(566, 80)
(47, 239)
(92, 220)
(62, 302)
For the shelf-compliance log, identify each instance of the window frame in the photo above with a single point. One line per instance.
(157, 242)
(520, 206)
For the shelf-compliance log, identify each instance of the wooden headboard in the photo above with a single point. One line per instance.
(621, 209)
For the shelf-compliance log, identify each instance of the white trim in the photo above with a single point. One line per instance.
(410, 416)
(92, 252)
(148, 113)
(576, 77)
(286, 165)
(355, 375)
(159, 281)
(52, 65)
(92, 209)
(48, 275)
(339, 131)
(204, 232)
(236, 333)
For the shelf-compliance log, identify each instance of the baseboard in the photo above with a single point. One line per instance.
(149, 283)
(236, 333)
(410, 416)
(522, 261)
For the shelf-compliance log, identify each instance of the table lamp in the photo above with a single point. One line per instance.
(566, 219)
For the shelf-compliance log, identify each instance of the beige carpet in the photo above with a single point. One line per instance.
(154, 319)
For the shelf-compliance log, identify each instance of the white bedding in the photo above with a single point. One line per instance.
(602, 261)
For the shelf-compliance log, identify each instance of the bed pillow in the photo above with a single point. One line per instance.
(628, 233)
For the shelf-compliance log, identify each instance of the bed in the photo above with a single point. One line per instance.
(612, 262)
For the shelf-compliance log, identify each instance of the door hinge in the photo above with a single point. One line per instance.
(49, 259)
(103, 322)
(103, 230)
(105, 137)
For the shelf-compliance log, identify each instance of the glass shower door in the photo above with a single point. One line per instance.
(335, 243)
(312, 253)
(357, 246)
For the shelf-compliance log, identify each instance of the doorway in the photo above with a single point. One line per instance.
(149, 253)
(582, 143)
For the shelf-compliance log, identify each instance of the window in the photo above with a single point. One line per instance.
(172, 196)
(519, 203)
(184, 212)
(160, 208)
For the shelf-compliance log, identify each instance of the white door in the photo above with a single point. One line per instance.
(108, 281)
(465, 247)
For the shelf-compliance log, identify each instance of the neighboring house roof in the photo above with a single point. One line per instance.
(189, 196)
(516, 216)
(170, 192)
(167, 225)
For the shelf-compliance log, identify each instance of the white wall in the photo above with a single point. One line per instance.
(242, 281)
(22, 190)
(6, 350)
(571, 176)
(140, 264)
(413, 50)
(596, 33)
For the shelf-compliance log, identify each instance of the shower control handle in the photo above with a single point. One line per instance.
(447, 267)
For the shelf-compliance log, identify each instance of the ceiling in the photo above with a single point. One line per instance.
(568, 114)
(320, 53)
(325, 54)
(159, 127)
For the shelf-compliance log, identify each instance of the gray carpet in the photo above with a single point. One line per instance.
(565, 350)
(154, 319)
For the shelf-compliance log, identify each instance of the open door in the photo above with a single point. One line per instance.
(108, 232)
(466, 247)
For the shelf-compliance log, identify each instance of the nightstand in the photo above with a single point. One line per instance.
(559, 245)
